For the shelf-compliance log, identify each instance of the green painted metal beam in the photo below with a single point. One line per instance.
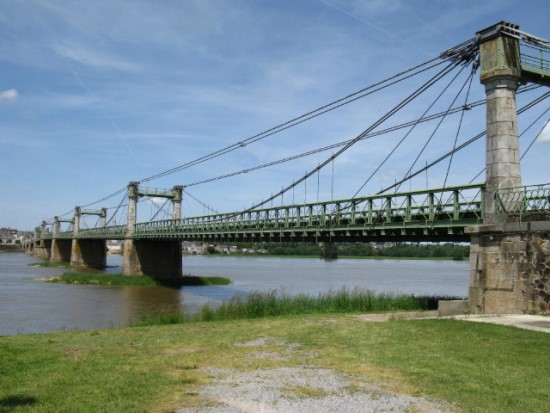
(438, 214)
(98, 212)
(157, 192)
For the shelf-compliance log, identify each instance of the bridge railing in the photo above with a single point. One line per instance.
(523, 200)
(535, 62)
(65, 234)
(111, 232)
(47, 235)
(444, 207)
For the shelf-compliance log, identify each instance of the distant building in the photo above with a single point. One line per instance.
(222, 249)
(114, 247)
(8, 235)
(189, 247)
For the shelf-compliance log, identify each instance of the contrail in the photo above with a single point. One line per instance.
(110, 119)
(390, 34)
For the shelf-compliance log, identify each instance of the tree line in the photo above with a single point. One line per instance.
(359, 249)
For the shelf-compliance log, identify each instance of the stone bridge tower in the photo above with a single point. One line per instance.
(509, 258)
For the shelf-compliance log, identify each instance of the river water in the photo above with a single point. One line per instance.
(29, 306)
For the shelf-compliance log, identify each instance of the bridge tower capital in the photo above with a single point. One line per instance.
(55, 227)
(103, 218)
(176, 201)
(133, 196)
(76, 221)
(43, 229)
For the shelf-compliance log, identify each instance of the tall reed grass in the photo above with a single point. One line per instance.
(279, 303)
(275, 303)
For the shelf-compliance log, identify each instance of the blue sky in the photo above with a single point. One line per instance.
(95, 94)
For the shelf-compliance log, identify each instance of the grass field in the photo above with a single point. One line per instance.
(476, 367)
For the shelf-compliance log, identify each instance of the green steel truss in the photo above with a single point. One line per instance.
(157, 192)
(439, 214)
(111, 232)
(433, 214)
(63, 235)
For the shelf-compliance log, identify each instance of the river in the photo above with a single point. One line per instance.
(31, 306)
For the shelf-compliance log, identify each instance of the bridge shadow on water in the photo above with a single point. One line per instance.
(197, 287)
(214, 292)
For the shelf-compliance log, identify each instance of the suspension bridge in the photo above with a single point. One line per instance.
(506, 223)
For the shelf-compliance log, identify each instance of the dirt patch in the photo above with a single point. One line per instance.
(299, 389)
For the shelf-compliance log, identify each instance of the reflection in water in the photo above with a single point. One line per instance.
(31, 306)
(139, 300)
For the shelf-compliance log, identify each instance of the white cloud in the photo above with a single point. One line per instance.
(545, 134)
(156, 200)
(10, 94)
(81, 54)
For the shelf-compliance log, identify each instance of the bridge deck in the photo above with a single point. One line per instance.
(434, 214)
(427, 215)
(439, 214)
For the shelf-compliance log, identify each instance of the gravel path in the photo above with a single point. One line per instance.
(299, 389)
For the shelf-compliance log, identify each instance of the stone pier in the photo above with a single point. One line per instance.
(160, 259)
(61, 247)
(42, 248)
(86, 252)
(61, 250)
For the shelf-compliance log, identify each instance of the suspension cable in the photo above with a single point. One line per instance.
(520, 135)
(334, 145)
(377, 123)
(283, 126)
(466, 106)
(161, 208)
(302, 118)
(408, 133)
(450, 111)
(536, 137)
(460, 147)
(209, 208)
(459, 127)
(117, 208)
(458, 54)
